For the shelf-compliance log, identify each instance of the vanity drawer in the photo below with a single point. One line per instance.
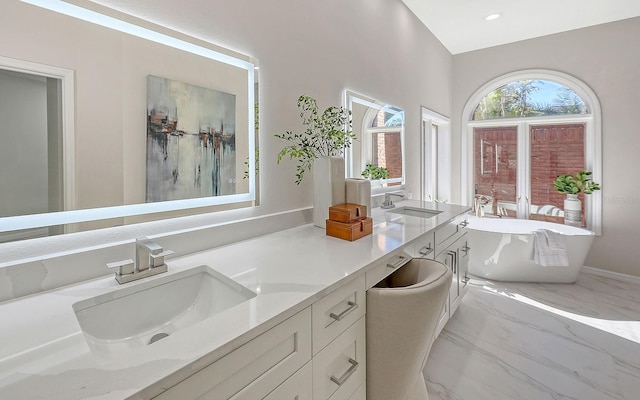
(385, 268)
(340, 368)
(449, 233)
(334, 313)
(445, 232)
(253, 370)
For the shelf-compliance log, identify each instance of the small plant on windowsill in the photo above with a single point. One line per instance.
(327, 134)
(373, 172)
(574, 184)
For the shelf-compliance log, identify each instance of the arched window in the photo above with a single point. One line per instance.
(521, 131)
(530, 98)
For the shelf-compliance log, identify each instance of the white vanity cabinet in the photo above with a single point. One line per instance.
(317, 354)
(339, 351)
(255, 369)
(452, 249)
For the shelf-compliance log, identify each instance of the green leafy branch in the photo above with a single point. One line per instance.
(326, 134)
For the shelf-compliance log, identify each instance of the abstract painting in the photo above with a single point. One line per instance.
(191, 141)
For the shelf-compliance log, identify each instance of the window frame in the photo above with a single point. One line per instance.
(435, 179)
(593, 139)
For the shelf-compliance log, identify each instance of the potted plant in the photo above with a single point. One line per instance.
(322, 146)
(572, 185)
(373, 172)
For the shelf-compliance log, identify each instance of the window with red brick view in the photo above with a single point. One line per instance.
(387, 152)
(555, 149)
(495, 168)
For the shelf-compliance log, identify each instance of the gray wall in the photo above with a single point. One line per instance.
(319, 48)
(374, 47)
(606, 58)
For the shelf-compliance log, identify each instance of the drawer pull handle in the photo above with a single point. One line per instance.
(402, 261)
(340, 381)
(338, 317)
(426, 250)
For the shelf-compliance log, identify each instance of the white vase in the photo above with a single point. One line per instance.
(572, 210)
(358, 191)
(328, 187)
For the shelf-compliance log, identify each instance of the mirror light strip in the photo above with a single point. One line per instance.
(70, 217)
(126, 27)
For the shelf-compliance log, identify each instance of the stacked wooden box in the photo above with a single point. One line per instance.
(349, 221)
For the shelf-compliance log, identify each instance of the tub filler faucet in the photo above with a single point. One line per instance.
(149, 261)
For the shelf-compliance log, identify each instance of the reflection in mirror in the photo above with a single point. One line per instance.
(36, 136)
(379, 143)
(98, 143)
(28, 146)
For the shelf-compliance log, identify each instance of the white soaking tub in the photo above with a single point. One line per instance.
(503, 250)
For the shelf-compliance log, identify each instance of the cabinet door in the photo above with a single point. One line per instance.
(459, 287)
(454, 292)
(254, 369)
(298, 387)
(340, 368)
(465, 250)
(444, 315)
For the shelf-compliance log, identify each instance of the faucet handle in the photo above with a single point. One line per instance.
(124, 267)
(156, 260)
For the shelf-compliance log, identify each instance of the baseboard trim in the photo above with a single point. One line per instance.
(610, 274)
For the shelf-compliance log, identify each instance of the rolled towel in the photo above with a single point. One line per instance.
(550, 248)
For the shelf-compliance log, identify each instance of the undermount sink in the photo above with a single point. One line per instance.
(141, 314)
(415, 211)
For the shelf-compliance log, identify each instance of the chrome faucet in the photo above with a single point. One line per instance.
(149, 261)
(387, 203)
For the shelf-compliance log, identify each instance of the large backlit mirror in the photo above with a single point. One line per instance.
(105, 125)
(379, 129)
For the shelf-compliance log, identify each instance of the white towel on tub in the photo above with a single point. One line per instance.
(550, 248)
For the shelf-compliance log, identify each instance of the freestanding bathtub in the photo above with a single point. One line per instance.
(502, 250)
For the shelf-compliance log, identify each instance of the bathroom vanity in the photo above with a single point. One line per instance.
(275, 317)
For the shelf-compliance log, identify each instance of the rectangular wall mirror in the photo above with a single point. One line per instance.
(379, 129)
(107, 122)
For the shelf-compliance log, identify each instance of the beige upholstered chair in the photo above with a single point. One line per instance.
(402, 315)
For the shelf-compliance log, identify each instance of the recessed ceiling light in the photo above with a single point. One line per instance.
(492, 17)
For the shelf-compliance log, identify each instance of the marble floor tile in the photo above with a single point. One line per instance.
(517, 341)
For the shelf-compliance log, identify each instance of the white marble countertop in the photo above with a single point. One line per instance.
(44, 354)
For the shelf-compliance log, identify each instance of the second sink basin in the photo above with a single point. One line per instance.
(415, 211)
(138, 315)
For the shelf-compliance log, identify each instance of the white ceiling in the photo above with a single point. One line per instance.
(461, 27)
